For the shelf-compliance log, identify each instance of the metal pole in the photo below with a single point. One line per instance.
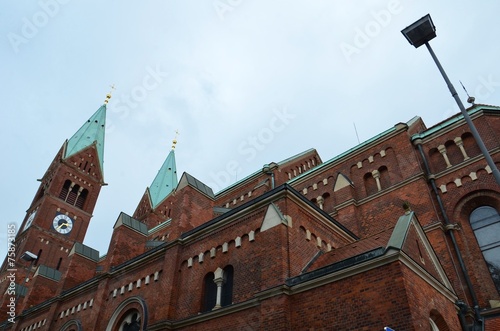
(28, 272)
(479, 141)
(454, 243)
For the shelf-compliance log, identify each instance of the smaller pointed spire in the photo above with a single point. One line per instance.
(166, 179)
(91, 132)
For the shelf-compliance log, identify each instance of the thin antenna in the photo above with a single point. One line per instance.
(356, 130)
(469, 98)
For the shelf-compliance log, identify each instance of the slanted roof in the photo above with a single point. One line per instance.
(188, 180)
(357, 248)
(402, 237)
(131, 223)
(393, 237)
(85, 251)
(165, 181)
(351, 151)
(257, 200)
(259, 172)
(91, 132)
(452, 120)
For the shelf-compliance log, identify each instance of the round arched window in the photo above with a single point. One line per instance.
(131, 321)
(130, 315)
(485, 221)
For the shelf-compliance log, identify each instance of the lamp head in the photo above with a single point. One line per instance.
(28, 256)
(420, 32)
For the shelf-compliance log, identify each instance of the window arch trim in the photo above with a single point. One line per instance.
(124, 307)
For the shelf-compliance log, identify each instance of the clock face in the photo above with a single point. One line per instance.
(30, 220)
(62, 224)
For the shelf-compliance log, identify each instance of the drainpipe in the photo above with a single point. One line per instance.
(268, 169)
(449, 226)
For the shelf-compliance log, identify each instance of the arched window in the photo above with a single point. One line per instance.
(485, 221)
(370, 184)
(227, 286)
(218, 289)
(209, 292)
(65, 189)
(130, 315)
(81, 198)
(385, 180)
(437, 322)
(131, 321)
(433, 325)
(73, 325)
(73, 194)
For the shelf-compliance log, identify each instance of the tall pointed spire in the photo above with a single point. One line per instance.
(91, 132)
(166, 179)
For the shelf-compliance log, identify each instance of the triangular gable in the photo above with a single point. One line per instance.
(88, 153)
(341, 182)
(146, 199)
(409, 237)
(272, 218)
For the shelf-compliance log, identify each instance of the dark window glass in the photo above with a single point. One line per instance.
(227, 286)
(485, 221)
(209, 292)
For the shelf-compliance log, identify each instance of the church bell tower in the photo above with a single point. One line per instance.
(60, 213)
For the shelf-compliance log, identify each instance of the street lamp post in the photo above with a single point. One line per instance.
(420, 33)
(28, 257)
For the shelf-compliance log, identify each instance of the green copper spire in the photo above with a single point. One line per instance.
(91, 132)
(165, 181)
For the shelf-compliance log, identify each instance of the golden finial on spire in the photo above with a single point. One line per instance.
(174, 142)
(108, 96)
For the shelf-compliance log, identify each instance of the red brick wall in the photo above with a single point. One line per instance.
(368, 301)
(424, 300)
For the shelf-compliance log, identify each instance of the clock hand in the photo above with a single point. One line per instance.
(60, 225)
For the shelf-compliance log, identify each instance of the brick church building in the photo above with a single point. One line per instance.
(401, 231)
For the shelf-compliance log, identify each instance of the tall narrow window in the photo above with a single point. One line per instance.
(209, 292)
(73, 194)
(38, 256)
(65, 189)
(485, 221)
(81, 198)
(385, 180)
(227, 286)
(218, 289)
(370, 184)
(59, 263)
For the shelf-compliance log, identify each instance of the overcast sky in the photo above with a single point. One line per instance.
(246, 82)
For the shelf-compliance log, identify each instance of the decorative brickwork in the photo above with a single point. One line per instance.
(378, 236)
